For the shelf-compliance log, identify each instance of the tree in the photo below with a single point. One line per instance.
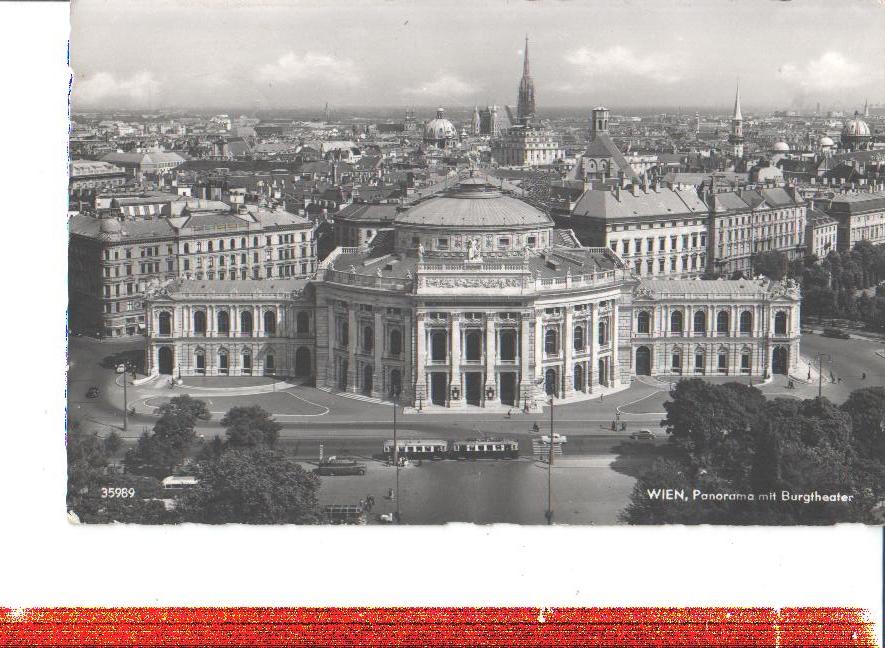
(866, 407)
(250, 426)
(173, 435)
(252, 486)
(712, 423)
(772, 264)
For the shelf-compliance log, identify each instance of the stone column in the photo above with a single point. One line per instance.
(455, 361)
(331, 337)
(378, 347)
(526, 378)
(352, 334)
(258, 325)
(613, 339)
(490, 362)
(593, 363)
(420, 360)
(210, 322)
(568, 340)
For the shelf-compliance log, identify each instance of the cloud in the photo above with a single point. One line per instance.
(620, 61)
(447, 85)
(831, 71)
(103, 87)
(291, 67)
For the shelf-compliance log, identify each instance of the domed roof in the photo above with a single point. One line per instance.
(474, 205)
(110, 226)
(827, 141)
(781, 146)
(439, 128)
(857, 127)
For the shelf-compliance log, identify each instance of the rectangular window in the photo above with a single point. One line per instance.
(673, 242)
(662, 243)
(442, 243)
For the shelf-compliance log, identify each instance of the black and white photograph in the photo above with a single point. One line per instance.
(532, 263)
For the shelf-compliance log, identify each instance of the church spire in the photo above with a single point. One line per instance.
(525, 62)
(737, 103)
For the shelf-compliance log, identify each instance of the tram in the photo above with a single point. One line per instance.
(485, 448)
(418, 448)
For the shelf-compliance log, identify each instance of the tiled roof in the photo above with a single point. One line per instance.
(747, 287)
(369, 212)
(241, 286)
(603, 203)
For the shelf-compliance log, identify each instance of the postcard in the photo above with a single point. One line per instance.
(370, 263)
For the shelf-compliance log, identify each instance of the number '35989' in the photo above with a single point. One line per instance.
(122, 493)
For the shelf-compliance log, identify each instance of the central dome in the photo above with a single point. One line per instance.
(857, 127)
(439, 131)
(474, 204)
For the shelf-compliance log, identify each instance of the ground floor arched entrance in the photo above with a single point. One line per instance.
(438, 388)
(508, 388)
(368, 374)
(550, 382)
(396, 383)
(780, 360)
(302, 362)
(473, 388)
(165, 360)
(643, 361)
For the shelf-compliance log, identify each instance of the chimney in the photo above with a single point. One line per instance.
(618, 192)
(645, 182)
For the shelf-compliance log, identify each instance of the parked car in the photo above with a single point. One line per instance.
(839, 334)
(340, 466)
(642, 435)
(92, 392)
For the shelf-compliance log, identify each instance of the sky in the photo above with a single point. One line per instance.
(270, 54)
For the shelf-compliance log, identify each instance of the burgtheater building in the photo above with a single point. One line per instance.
(472, 298)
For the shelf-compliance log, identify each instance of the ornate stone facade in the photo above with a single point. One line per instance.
(480, 326)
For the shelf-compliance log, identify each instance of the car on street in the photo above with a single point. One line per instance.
(839, 334)
(340, 466)
(92, 392)
(642, 435)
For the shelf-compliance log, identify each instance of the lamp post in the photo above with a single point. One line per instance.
(550, 470)
(121, 370)
(820, 372)
(396, 391)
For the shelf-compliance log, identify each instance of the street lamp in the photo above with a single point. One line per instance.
(396, 391)
(820, 372)
(121, 370)
(549, 514)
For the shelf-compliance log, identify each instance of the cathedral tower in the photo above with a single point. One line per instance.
(736, 138)
(525, 109)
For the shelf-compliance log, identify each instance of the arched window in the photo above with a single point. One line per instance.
(579, 338)
(676, 322)
(722, 360)
(200, 322)
(700, 323)
(780, 323)
(643, 322)
(676, 361)
(270, 323)
(223, 366)
(603, 332)
(187, 248)
(200, 361)
(508, 345)
(368, 339)
(302, 323)
(722, 322)
(438, 346)
(551, 345)
(746, 323)
(700, 360)
(578, 380)
(246, 322)
(224, 322)
(247, 362)
(746, 361)
(345, 332)
(396, 342)
(165, 321)
(473, 345)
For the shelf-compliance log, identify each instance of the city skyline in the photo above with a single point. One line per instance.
(310, 54)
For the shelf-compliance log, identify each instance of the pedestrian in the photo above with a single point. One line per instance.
(601, 396)
(863, 376)
(839, 379)
(535, 427)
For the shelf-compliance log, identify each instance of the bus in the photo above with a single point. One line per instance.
(485, 448)
(418, 448)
